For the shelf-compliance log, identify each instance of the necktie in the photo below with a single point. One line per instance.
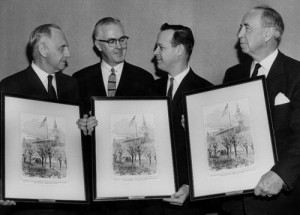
(170, 90)
(255, 71)
(111, 88)
(51, 90)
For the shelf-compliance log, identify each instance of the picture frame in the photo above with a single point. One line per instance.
(132, 149)
(230, 138)
(42, 151)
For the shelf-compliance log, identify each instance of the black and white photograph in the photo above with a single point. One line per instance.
(76, 50)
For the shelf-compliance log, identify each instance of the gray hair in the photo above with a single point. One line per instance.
(38, 33)
(106, 21)
(271, 18)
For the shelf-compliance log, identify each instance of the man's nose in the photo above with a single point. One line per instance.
(156, 51)
(241, 32)
(67, 52)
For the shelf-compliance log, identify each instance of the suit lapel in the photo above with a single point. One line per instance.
(60, 85)
(96, 81)
(124, 79)
(184, 85)
(35, 83)
(245, 71)
(275, 78)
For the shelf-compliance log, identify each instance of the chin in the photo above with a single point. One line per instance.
(160, 67)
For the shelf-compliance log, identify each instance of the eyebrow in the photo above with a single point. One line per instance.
(244, 24)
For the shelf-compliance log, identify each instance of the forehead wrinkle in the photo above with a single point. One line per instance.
(110, 31)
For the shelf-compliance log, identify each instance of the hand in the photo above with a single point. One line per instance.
(81, 123)
(7, 203)
(182, 121)
(180, 196)
(87, 124)
(269, 184)
(91, 124)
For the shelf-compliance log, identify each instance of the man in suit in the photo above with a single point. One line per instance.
(173, 50)
(50, 52)
(112, 76)
(44, 79)
(259, 36)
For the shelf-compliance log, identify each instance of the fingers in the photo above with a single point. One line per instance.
(87, 124)
(179, 197)
(81, 123)
(91, 124)
(174, 201)
(7, 203)
(182, 121)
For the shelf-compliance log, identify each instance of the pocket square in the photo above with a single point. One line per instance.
(281, 99)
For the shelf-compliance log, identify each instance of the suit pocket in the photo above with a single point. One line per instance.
(281, 117)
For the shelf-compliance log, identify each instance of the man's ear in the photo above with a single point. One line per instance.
(43, 49)
(180, 49)
(97, 44)
(270, 31)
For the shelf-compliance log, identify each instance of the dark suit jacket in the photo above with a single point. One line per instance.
(28, 83)
(190, 82)
(134, 81)
(284, 77)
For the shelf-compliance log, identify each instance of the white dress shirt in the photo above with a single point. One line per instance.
(177, 80)
(44, 77)
(265, 64)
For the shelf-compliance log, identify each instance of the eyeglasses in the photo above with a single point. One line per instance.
(113, 42)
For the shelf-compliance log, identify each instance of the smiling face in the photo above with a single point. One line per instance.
(56, 51)
(165, 54)
(252, 34)
(111, 55)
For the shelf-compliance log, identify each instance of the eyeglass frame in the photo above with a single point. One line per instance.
(110, 44)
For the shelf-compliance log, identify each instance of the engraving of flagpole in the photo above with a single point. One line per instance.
(44, 124)
(227, 111)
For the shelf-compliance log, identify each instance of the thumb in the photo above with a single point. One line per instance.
(178, 193)
(85, 116)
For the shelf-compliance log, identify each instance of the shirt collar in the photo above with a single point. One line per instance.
(41, 73)
(267, 62)
(178, 78)
(106, 67)
(43, 76)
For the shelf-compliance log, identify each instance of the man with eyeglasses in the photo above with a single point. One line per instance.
(113, 76)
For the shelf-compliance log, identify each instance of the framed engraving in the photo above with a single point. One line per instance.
(42, 156)
(132, 150)
(231, 142)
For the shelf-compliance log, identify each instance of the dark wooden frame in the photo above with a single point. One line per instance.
(35, 106)
(102, 107)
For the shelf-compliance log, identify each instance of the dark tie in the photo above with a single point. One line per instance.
(255, 71)
(170, 90)
(51, 90)
(111, 88)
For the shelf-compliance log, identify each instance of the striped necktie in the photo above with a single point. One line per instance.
(51, 90)
(111, 88)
